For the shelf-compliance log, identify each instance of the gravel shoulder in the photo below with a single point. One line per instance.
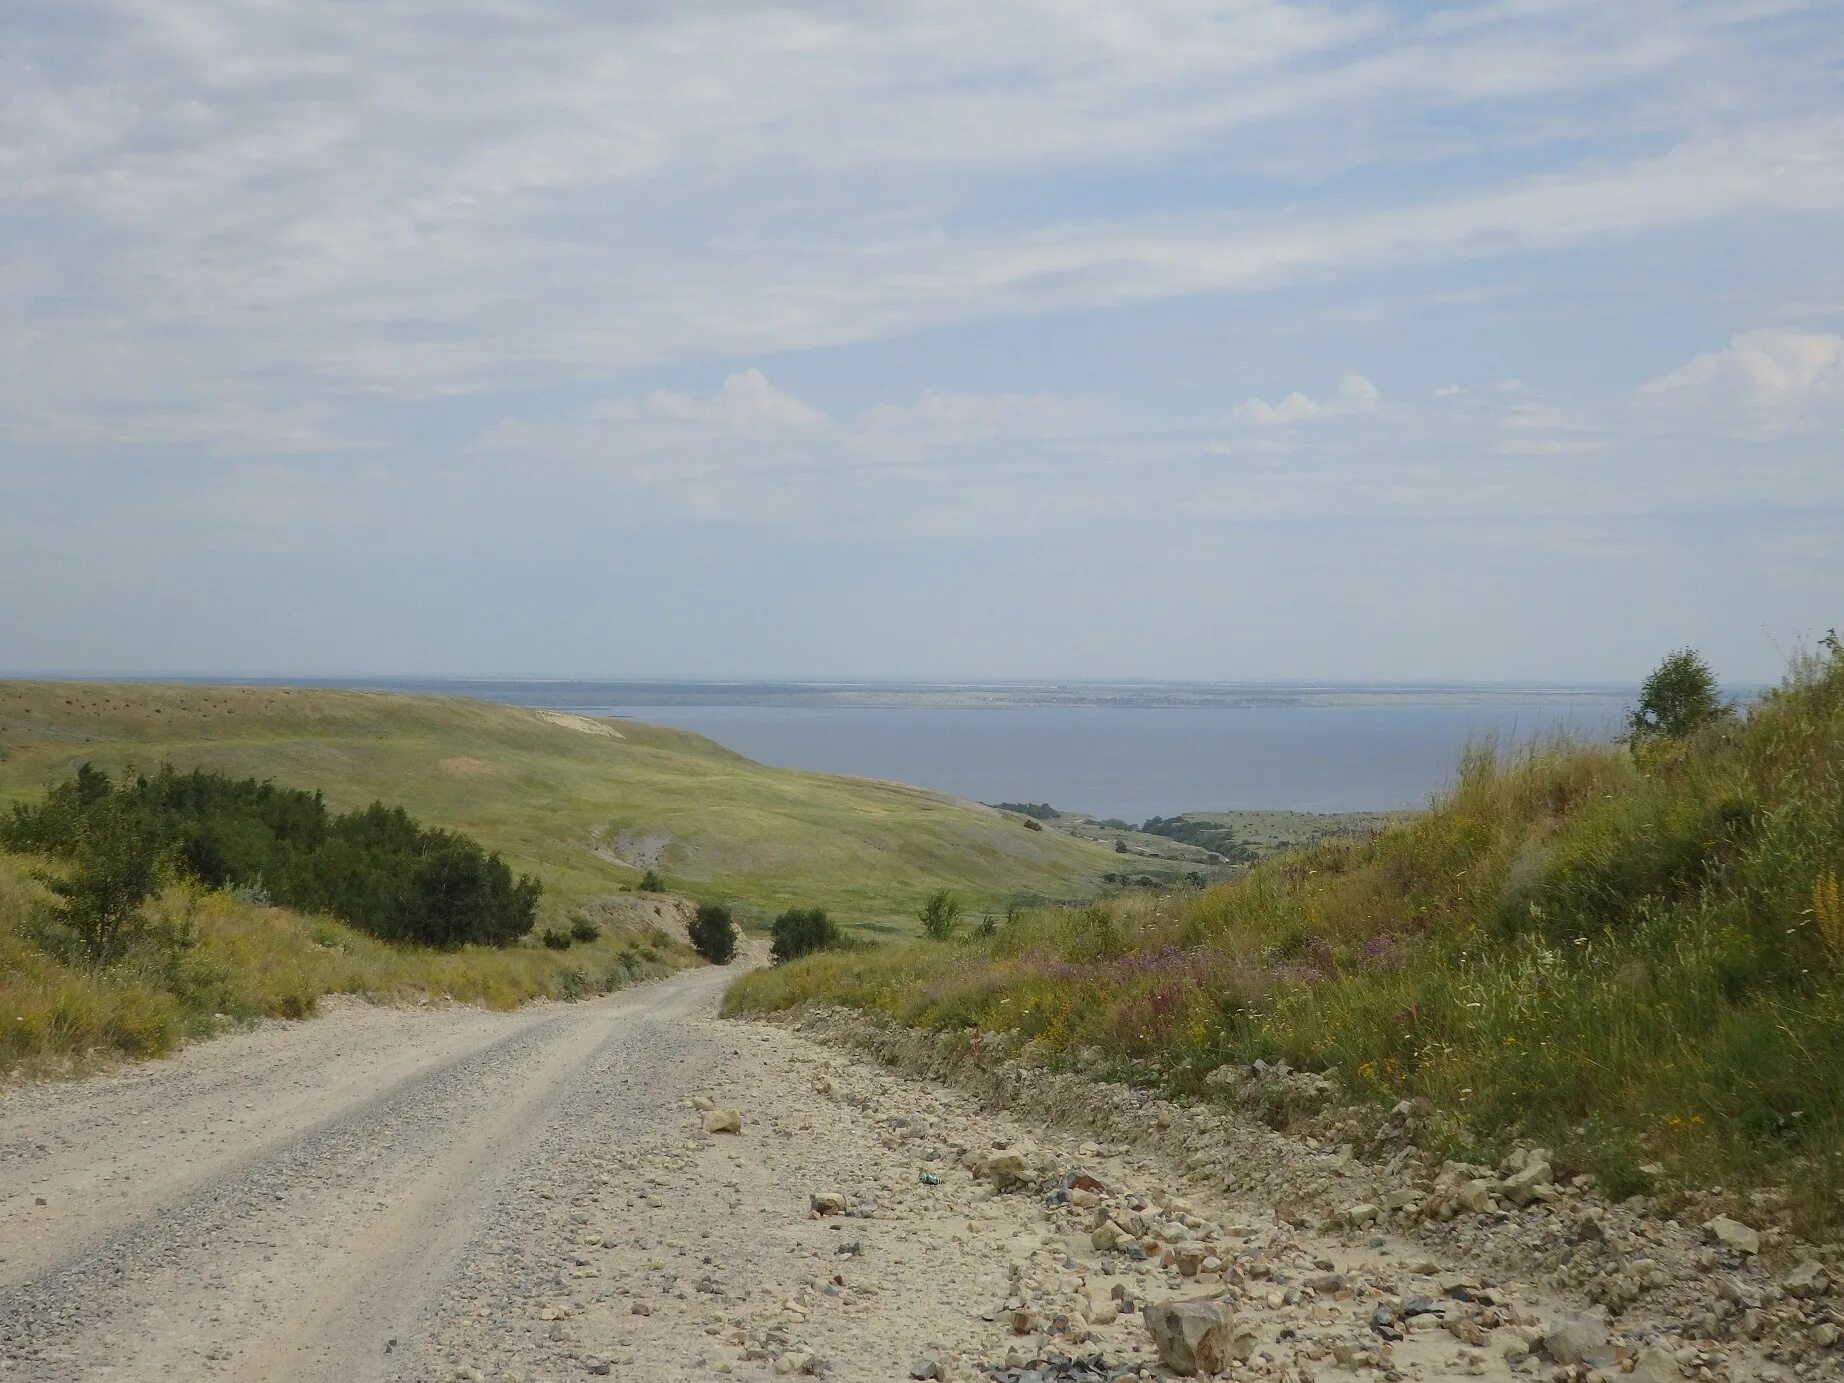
(447, 1193)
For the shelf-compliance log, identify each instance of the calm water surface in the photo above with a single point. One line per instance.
(1136, 762)
(1305, 748)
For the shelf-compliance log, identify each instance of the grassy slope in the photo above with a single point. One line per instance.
(547, 795)
(248, 962)
(1633, 964)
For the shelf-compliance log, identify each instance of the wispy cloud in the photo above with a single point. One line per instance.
(416, 200)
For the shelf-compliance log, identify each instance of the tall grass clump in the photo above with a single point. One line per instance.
(1634, 954)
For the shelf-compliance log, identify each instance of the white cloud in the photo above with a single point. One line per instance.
(747, 401)
(1772, 368)
(1355, 395)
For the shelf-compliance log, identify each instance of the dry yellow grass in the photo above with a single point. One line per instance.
(242, 961)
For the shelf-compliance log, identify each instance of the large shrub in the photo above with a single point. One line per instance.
(1678, 698)
(940, 915)
(114, 870)
(713, 933)
(376, 868)
(800, 931)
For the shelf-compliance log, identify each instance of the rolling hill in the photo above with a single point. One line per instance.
(586, 804)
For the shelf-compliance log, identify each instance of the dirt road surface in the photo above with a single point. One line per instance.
(447, 1193)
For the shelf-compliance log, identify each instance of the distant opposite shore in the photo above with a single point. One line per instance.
(1113, 749)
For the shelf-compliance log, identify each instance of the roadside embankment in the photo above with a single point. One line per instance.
(1635, 962)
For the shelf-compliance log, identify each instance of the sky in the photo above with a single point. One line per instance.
(1238, 340)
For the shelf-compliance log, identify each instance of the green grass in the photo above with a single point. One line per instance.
(563, 797)
(245, 961)
(1634, 963)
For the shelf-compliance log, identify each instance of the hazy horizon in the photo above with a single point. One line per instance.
(743, 680)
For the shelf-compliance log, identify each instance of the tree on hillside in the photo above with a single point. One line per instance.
(114, 870)
(940, 915)
(799, 931)
(713, 933)
(1679, 697)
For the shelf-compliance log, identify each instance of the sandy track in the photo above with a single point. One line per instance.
(397, 1194)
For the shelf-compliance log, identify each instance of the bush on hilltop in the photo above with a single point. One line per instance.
(1679, 698)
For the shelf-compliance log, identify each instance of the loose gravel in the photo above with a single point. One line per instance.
(390, 1194)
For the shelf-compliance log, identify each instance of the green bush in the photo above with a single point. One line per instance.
(940, 915)
(801, 931)
(375, 868)
(115, 870)
(556, 939)
(713, 933)
(582, 929)
(650, 882)
(1678, 699)
(574, 984)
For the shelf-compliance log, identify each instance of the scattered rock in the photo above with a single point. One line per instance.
(1809, 1279)
(1192, 1337)
(1009, 1170)
(1054, 1367)
(722, 1121)
(1577, 1340)
(1189, 1258)
(1531, 1183)
(1107, 1236)
(1732, 1235)
(1654, 1366)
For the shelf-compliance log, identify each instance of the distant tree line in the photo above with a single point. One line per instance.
(1039, 811)
(1206, 835)
(375, 868)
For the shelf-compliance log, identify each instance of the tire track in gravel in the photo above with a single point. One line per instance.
(296, 1257)
(78, 1161)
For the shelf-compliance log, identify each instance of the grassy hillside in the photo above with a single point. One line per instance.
(585, 804)
(1640, 964)
(228, 960)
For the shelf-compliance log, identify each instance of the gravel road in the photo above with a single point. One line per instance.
(419, 1194)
